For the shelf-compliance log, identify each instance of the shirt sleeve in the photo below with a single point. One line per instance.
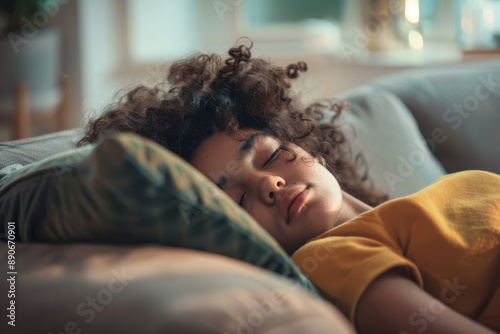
(343, 267)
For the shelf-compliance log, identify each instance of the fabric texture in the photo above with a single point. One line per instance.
(131, 190)
(4, 172)
(29, 150)
(446, 237)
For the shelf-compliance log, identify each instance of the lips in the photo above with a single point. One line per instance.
(292, 201)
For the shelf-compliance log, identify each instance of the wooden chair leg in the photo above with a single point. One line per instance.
(63, 113)
(21, 125)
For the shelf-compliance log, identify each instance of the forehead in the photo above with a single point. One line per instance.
(219, 152)
(222, 143)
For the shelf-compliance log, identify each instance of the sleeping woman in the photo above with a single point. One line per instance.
(426, 262)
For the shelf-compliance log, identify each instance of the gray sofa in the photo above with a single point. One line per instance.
(411, 127)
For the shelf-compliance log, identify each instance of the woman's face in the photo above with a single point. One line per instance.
(292, 200)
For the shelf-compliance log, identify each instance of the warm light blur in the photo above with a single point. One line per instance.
(412, 13)
(466, 21)
(416, 40)
(489, 14)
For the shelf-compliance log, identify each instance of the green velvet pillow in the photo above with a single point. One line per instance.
(130, 190)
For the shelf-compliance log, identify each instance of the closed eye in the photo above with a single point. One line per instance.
(242, 200)
(272, 157)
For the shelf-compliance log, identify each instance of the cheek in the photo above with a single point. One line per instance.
(315, 171)
(328, 193)
(305, 164)
(321, 217)
(264, 218)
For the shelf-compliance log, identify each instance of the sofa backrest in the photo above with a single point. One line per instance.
(457, 108)
(454, 109)
(29, 150)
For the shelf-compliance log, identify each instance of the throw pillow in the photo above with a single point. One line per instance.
(130, 190)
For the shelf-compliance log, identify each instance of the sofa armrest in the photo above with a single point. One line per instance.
(29, 150)
(111, 289)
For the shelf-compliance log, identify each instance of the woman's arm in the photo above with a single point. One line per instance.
(395, 304)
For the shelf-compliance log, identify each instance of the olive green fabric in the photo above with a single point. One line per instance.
(130, 190)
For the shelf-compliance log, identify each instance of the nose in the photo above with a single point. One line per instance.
(268, 186)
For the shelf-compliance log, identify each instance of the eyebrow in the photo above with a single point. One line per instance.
(243, 151)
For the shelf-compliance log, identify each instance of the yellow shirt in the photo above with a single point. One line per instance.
(446, 237)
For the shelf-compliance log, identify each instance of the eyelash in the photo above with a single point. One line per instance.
(273, 156)
(270, 160)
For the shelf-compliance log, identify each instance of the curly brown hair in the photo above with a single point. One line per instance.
(203, 95)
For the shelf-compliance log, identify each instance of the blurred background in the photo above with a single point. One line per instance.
(62, 61)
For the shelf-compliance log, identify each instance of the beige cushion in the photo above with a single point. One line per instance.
(156, 290)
